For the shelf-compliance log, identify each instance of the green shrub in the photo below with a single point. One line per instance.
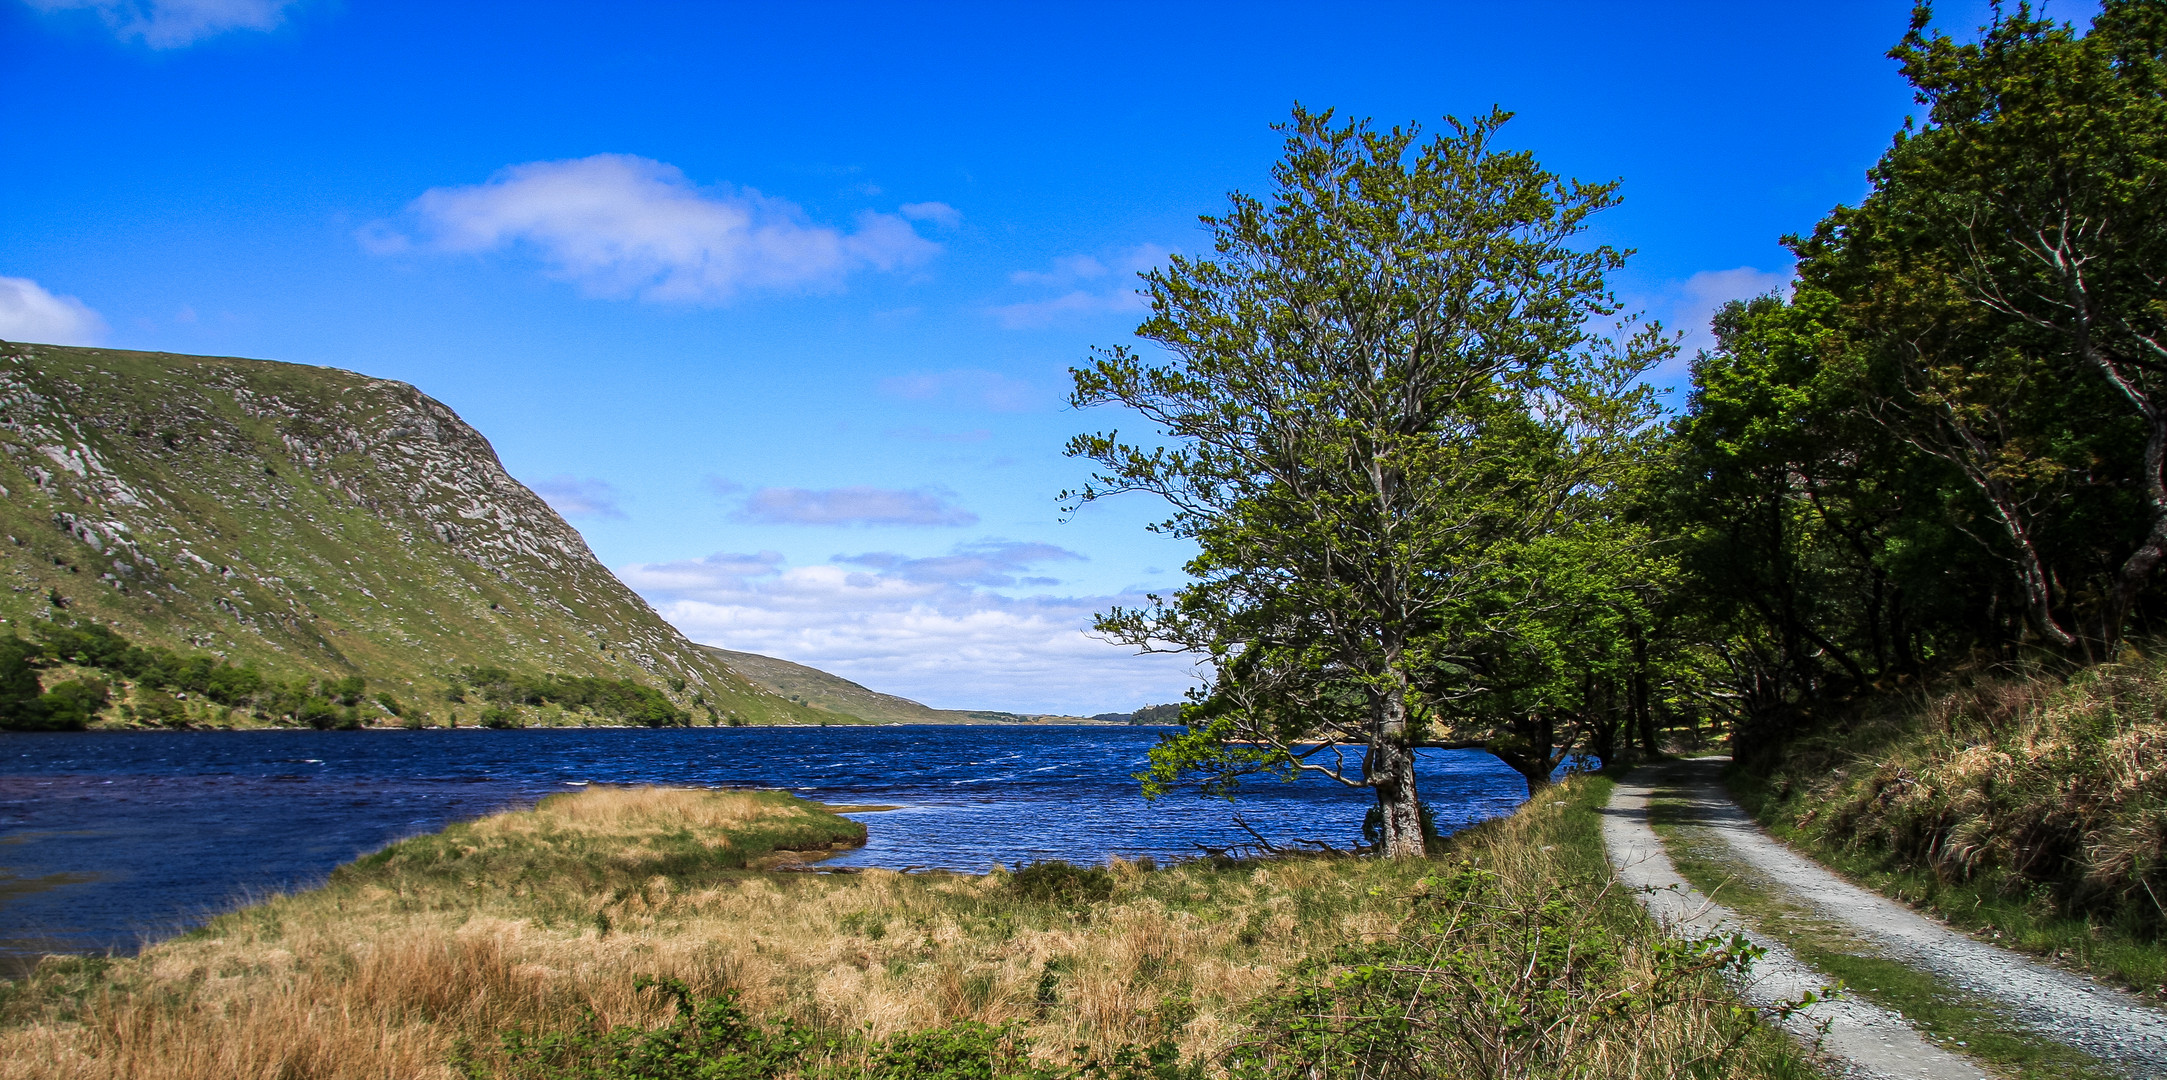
(318, 713)
(497, 716)
(710, 1039)
(622, 699)
(72, 705)
(1494, 979)
(158, 707)
(713, 1039)
(1057, 881)
(346, 691)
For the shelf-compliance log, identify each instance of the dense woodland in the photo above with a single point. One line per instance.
(75, 673)
(1407, 423)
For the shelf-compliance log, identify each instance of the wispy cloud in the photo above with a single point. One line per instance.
(29, 313)
(967, 386)
(854, 506)
(926, 434)
(621, 226)
(992, 563)
(938, 213)
(575, 496)
(1084, 285)
(171, 24)
(1689, 306)
(929, 628)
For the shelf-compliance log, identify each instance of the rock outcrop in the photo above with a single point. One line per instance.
(309, 520)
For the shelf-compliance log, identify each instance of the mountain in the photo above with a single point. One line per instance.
(847, 700)
(313, 523)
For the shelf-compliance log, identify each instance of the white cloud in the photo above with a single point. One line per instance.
(992, 563)
(1075, 304)
(966, 386)
(170, 24)
(575, 496)
(1088, 286)
(1690, 305)
(939, 213)
(620, 226)
(854, 506)
(917, 433)
(29, 313)
(931, 629)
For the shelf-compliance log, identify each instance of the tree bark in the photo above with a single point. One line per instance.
(1642, 709)
(2136, 571)
(1392, 773)
(1540, 760)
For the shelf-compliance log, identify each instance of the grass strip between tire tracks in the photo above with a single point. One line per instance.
(1967, 1023)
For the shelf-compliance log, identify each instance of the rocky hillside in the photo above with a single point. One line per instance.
(311, 522)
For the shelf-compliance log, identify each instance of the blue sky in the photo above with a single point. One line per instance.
(775, 302)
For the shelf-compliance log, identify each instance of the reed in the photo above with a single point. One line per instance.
(545, 920)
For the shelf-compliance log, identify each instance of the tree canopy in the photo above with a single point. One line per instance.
(1381, 414)
(1949, 440)
(1401, 416)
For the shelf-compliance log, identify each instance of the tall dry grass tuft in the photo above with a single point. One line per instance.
(2029, 786)
(1521, 958)
(546, 920)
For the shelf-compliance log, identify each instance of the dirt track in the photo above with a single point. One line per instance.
(2070, 1009)
(1867, 1040)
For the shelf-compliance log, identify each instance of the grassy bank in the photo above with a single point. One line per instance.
(2031, 809)
(518, 945)
(1941, 1011)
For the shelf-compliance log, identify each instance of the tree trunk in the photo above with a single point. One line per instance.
(1599, 705)
(2136, 571)
(1642, 708)
(1539, 760)
(1392, 773)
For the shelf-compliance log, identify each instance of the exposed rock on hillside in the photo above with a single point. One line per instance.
(312, 521)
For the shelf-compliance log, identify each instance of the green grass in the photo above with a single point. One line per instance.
(1944, 1013)
(545, 921)
(316, 524)
(1994, 906)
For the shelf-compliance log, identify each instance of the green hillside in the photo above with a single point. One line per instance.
(317, 524)
(847, 701)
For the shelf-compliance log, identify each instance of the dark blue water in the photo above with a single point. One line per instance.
(109, 839)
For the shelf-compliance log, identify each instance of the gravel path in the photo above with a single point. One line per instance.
(2070, 1009)
(1867, 1040)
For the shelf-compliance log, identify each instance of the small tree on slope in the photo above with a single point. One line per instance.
(1382, 418)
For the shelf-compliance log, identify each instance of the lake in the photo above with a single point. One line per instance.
(111, 839)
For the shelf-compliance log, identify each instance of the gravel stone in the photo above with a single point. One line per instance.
(1864, 1039)
(2102, 1021)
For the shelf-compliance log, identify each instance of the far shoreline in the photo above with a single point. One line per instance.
(401, 729)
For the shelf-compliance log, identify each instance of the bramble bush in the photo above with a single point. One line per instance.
(712, 1038)
(1500, 981)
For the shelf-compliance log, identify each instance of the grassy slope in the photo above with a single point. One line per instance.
(2030, 810)
(529, 919)
(848, 700)
(1941, 1010)
(308, 520)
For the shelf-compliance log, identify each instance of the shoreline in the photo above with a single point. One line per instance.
(141, 729)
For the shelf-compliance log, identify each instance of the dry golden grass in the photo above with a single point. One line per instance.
(2032, 807)
(450, 938)
(2032, 780)
(454, 935)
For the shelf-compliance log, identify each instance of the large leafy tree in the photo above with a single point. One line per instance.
(1380, 414)
(2003, 291)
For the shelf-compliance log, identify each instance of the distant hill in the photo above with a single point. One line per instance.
(838, 696)
(312, 522)
(1167, 715)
